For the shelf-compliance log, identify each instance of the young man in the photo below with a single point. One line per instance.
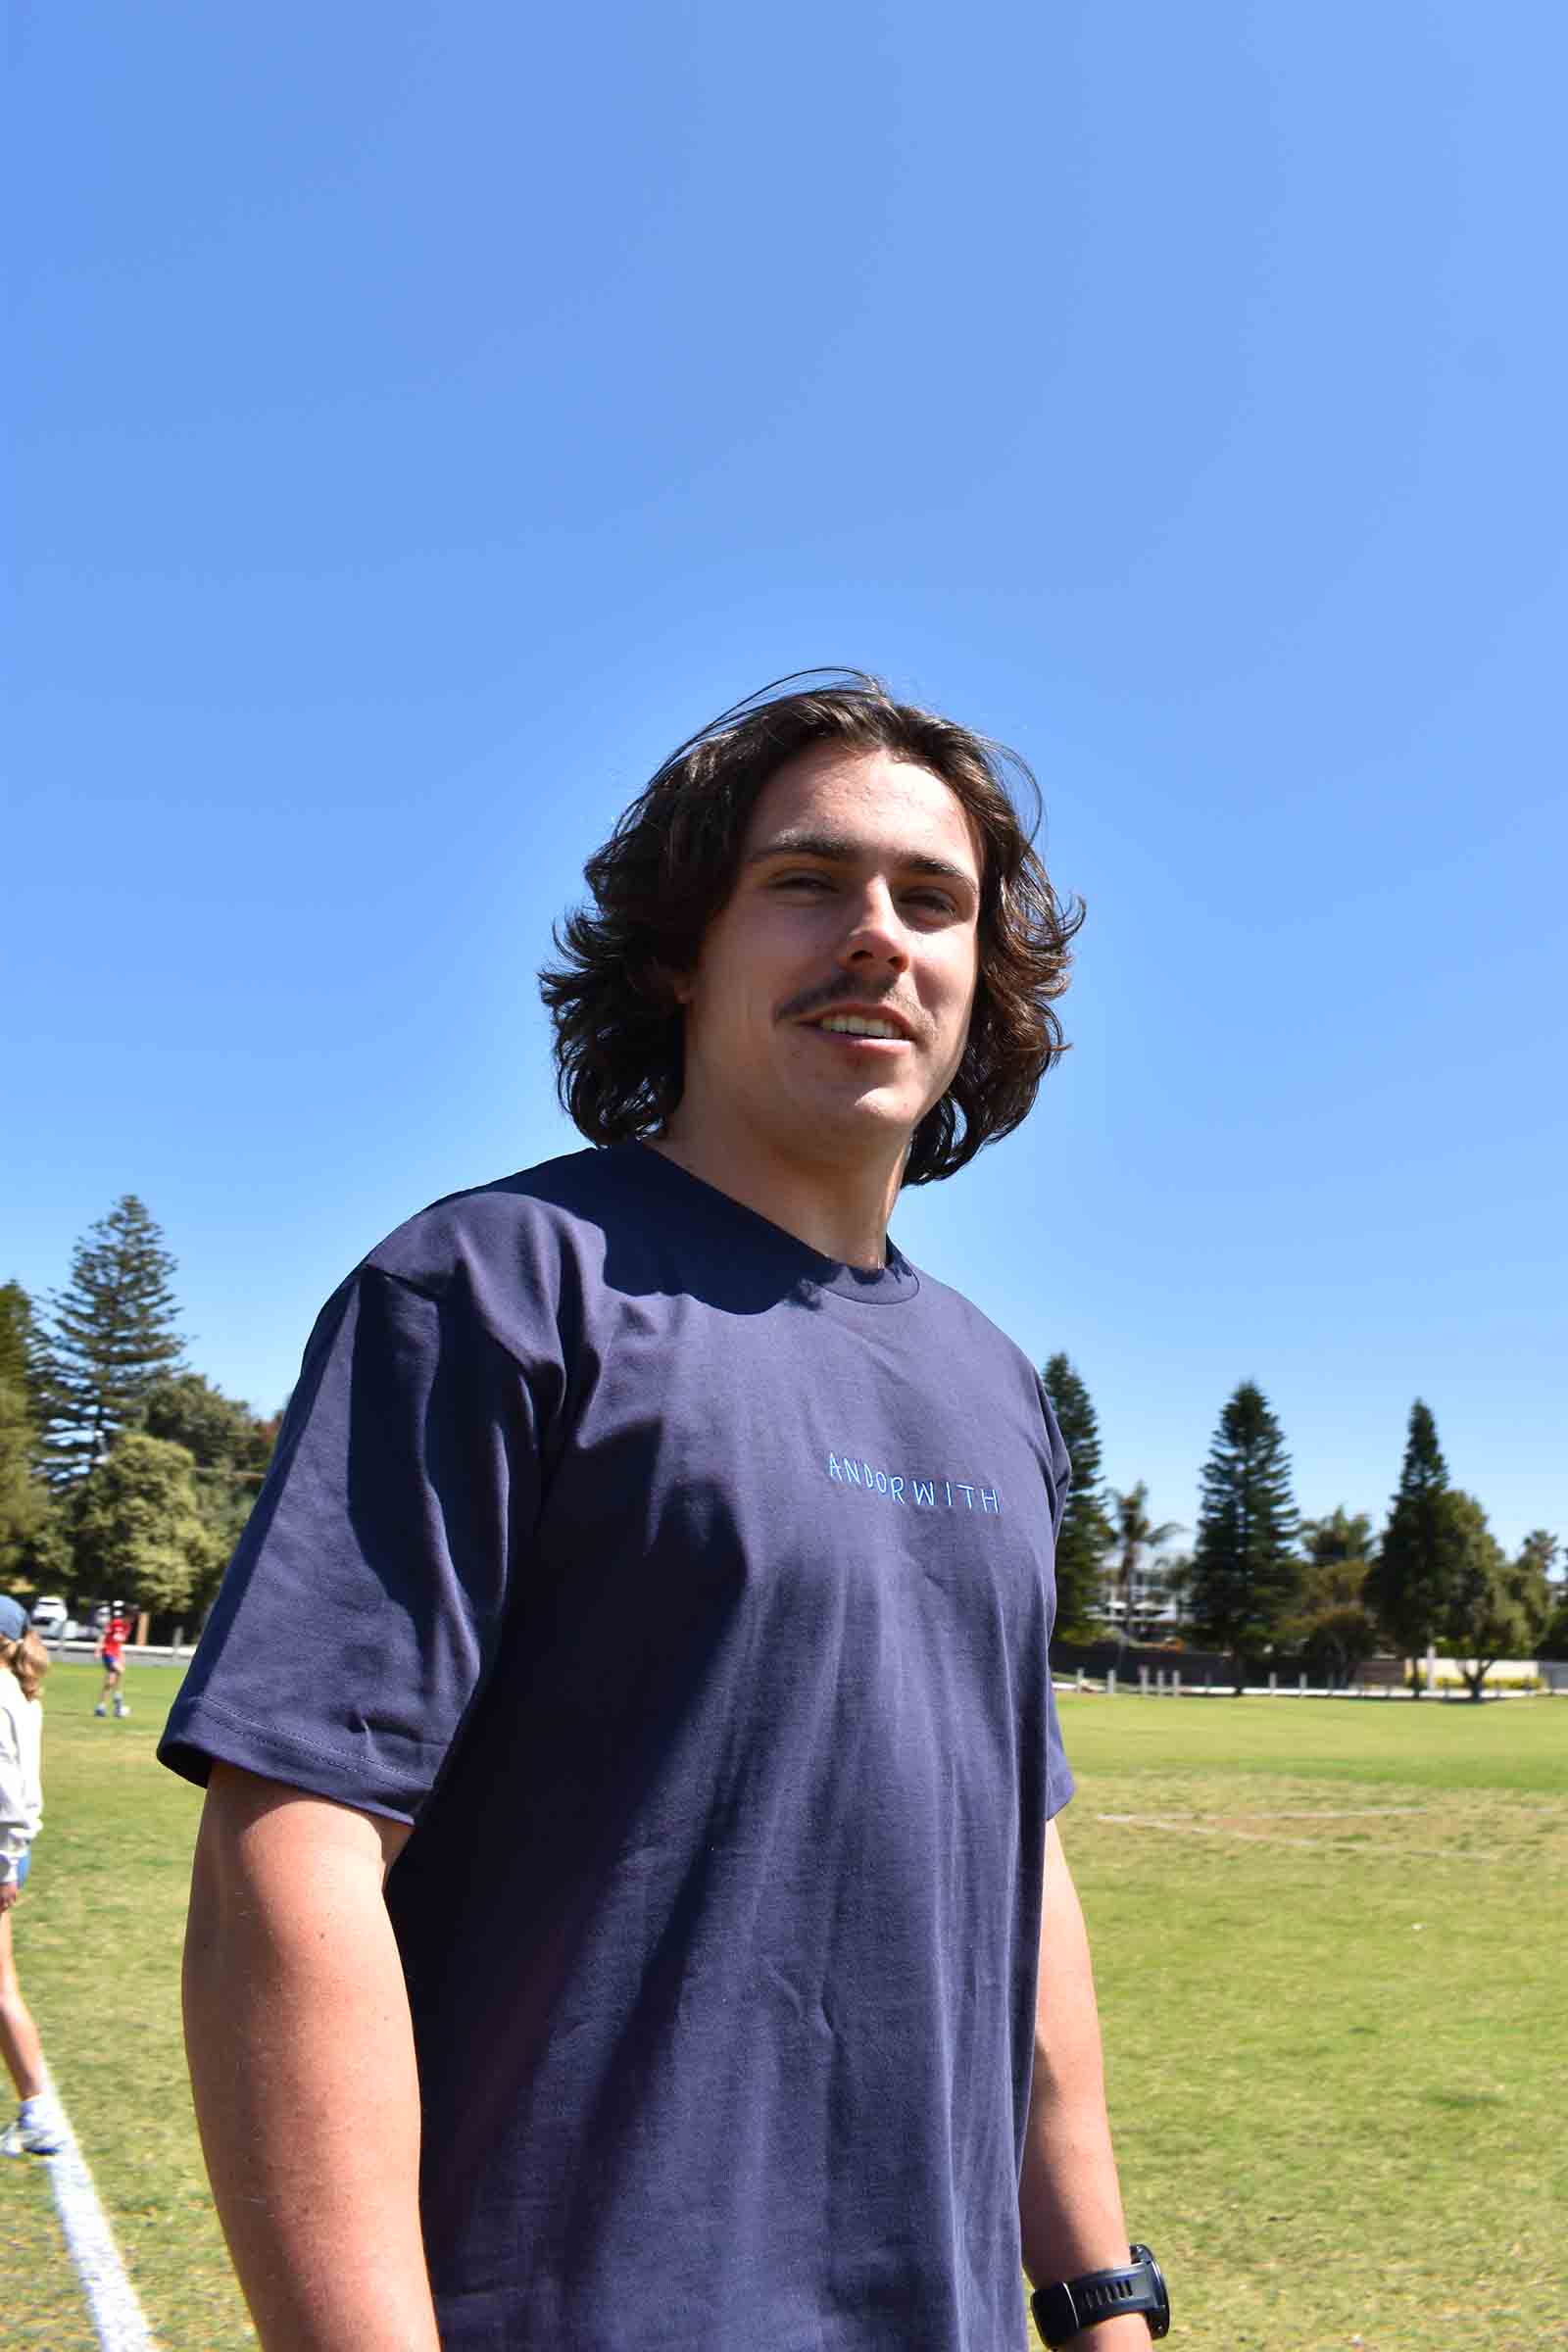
(652, 1585)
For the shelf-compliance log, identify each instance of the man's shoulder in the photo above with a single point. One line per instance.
(967, 1329)
(513, 1221)
(959, 1313)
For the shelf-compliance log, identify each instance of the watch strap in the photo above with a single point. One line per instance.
(1071, 2305)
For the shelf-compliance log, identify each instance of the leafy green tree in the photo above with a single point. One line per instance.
(1245, 1575)
(1085, 1534)
(1134, 1536)
(113, 1334)
(229, 1446)
(1332, 1626)
(1554, 1637)
(1496, 1607)
(140, 1533)
(218, 1431)
(1411, 1580)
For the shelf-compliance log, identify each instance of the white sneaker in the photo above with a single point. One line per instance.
(121, 1708)
(38, 2129)
(100, 1711)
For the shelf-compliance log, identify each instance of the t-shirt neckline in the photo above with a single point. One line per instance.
(866, 1285)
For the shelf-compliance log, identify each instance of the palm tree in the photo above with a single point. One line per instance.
(1134, 1537)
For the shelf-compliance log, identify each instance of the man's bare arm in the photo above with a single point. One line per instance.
(302, 2062)
(1069, 2201)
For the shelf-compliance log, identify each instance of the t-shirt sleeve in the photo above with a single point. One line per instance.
(1059, 1476)
(14, 1830)
(364, 1604)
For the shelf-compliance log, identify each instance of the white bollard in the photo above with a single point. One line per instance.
(1080, 1678)
(1273, 1685)
(1175, 1681)
(1143, 1682)
(1303, 1686)
(1110, 1681)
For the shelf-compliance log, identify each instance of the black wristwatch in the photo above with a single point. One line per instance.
(1066, 2309)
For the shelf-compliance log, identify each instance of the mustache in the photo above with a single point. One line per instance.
(840, 990)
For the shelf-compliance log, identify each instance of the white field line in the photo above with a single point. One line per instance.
(1203, 1829)
(1315, 1845)
(116, 2316)
(1328, 1812)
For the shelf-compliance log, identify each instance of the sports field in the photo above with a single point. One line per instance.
(1331, 1948)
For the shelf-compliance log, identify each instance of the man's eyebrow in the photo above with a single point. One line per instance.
(840, 849)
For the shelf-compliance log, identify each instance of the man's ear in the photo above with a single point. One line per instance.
(663, 986)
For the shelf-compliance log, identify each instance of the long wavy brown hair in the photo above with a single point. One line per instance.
(671, 864)
(29, 1661)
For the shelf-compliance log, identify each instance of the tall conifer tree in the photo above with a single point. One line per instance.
(1411, 1581)
(113, 1334)
(1085, 1532)
(1245, 1574)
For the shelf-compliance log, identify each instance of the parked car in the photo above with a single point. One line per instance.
(52, 1621)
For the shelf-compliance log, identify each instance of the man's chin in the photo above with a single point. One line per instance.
(868, 1122)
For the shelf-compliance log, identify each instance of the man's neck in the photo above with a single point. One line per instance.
(841, 1211)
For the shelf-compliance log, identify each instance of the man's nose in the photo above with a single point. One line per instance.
(874, 934)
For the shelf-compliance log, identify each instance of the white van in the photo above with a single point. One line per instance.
(51, 1621)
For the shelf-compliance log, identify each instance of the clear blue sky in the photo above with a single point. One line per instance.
(422, 418)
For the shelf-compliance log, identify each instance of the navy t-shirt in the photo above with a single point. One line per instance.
(691, 1594)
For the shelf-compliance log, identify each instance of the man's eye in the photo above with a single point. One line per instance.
(935, 901)
(801, 882)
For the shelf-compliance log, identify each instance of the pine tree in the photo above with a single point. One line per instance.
(1244, 1573)
(1412, 1578)
(1084, 1537)
(113, 1334)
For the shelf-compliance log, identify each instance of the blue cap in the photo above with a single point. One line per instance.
(13, 1619)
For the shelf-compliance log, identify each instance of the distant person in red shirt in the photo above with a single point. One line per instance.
(111, 1653)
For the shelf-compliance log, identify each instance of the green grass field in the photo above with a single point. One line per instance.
(1330, 1945)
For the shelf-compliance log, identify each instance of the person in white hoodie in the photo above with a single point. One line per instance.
(24, 1663)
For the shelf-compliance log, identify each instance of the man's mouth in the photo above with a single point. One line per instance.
(856, 1024)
